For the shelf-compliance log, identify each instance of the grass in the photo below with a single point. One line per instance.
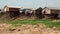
(48, 22)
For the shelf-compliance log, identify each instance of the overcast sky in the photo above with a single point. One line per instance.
(30, 3)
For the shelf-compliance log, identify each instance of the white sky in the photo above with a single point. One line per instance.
(30, 3)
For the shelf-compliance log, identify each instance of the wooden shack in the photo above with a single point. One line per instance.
(38, 12)
(12, 10)
(51, 12)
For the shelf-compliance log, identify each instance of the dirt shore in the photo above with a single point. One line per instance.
(27, 29)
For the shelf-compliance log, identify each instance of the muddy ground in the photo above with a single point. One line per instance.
(27, 29)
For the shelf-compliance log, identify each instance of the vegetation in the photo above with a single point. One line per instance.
(48, 22)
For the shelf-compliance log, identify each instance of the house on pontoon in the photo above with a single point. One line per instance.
(12, 10)
(51, 12)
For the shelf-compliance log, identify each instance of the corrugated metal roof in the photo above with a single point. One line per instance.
(13, 6)
(56, 8)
